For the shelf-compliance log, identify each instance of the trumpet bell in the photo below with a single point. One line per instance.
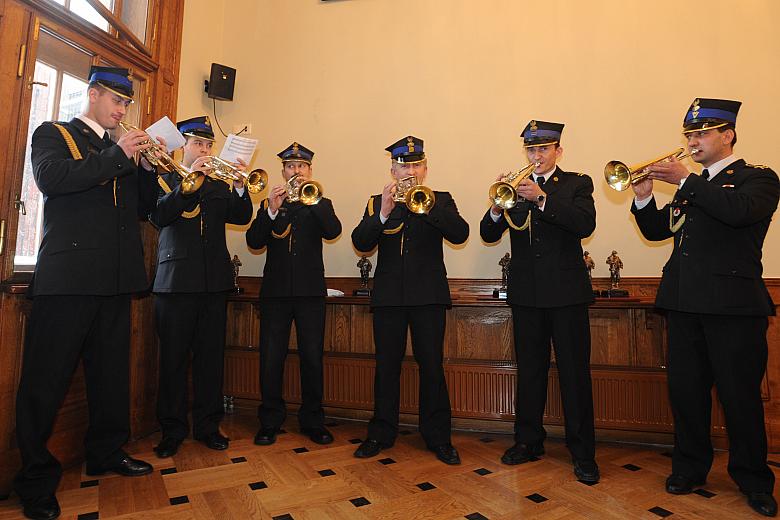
(191, 182)
(503, 195)
(310, 193)
(256, 180)
(617, 175)
(420, 199)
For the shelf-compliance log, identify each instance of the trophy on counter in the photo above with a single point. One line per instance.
(615, 265)
(500, 293)
(236, 266)
(364, 264)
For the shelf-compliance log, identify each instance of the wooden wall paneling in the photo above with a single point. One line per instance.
(338, 338)
(650, 334)
(362, 330)
(480, 334)
(612, 337)
(243, 325)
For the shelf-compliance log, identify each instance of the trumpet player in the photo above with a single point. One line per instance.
(410, 292)
(293, 289)
(549, 292)
(716, 298)
(194, 276)
(89, 263)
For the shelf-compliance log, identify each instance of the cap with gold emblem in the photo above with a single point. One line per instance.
(407, 150)
(114, 79)
(197, 127)
(706, 114)
(296, 152)
(540, 133)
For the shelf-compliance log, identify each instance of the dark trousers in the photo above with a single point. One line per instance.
(731, 353)
(61, 330)
(190, 323)
(427, 324)
(276, 318)
(569, 329)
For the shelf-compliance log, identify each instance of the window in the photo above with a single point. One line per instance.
(59, 94)
(82, 9)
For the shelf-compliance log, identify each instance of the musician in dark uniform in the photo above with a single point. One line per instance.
(717, 302)
(89, 263)
(293, 289)
(410, 292)
(194, 276)
(549, 293)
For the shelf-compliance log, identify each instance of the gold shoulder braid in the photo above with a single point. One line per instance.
(370, 206)
(515, 226)
(167, 189)
(74, 150)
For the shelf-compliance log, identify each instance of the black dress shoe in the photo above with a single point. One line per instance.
(763, 503)
(586, 471)
(681, 485)
(128, 467)
(369, 448)
(41, 508)
(446, 453)
(214, 441)
(320, 434)
(266, 436)
(168, 447)
(522, 453)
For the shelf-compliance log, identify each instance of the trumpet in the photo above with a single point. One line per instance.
(158, 157)
(619, 176)
(218, 168)
(503, 193)
(419, 199)
(307, 192)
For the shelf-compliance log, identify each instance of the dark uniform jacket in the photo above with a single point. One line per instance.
(91, 209)
(192, 255)
(293, 264)
(715, 266)
(547, 269)
(410, 263)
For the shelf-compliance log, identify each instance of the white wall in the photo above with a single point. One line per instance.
(348, 78)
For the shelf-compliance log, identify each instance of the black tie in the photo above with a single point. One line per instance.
(705, 174)
(540, 181)
(107, 139)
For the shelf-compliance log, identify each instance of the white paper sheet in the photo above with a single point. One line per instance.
(237, 146)
(167, 130)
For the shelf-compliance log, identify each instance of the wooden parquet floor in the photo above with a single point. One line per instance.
(297, 479)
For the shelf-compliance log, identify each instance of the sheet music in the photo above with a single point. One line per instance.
(237, 146)
(167, 130)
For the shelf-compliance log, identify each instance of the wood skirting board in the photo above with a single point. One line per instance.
(628, 356)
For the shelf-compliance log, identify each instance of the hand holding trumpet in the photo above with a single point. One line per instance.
(388, 199)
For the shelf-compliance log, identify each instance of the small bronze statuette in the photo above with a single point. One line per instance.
(615, 265)
(236, 266)
(590, 264)
(500, 293)
(364, 264)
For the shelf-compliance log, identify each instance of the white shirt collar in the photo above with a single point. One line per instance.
(545, 175)
(718, 167)
(99, 130)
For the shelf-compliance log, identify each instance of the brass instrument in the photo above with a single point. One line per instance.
(307, 192)
(503, 193)
(419, 199)
(158, 157)
(218, 168)
(619, 176)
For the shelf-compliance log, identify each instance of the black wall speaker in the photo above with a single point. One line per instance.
(221, 82)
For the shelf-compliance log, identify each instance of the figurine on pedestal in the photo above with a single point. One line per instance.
(236, 266)
(500, 293)
(590, 264)
(615, 265)
(364, 264)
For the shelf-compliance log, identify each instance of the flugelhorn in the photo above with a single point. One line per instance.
(158, 157)
(503, 193)
(419, 199)
(619, 176)
(218, 168)
(308, 192)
